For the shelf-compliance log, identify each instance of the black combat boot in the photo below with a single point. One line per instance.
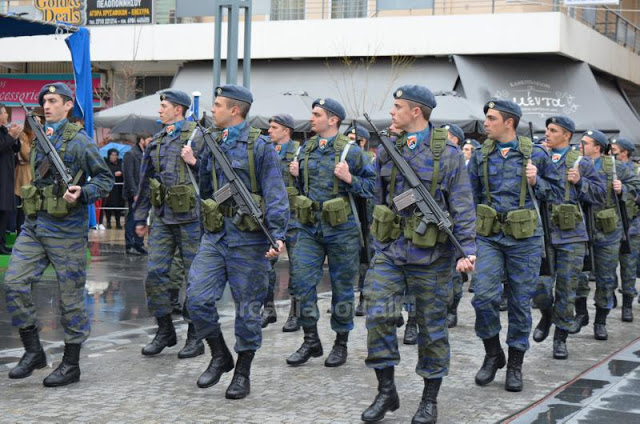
(452, 314)
(292, 324)
(493, 360)
(33, 358)
(193, 347)
(582, 314)
(541, 331)
(427, 412)
(513, 382)
(387, 398)
(360, 308)
(240, 385)
(338, 355)
(600, 324)
(69, 369)
(627, 305)
(560, 344)
(411, 331)
(165, 337)
(221, 362)
(174, 295)
(311, 346)
(268, 315)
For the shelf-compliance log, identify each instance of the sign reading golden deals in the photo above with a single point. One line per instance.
(68, 11)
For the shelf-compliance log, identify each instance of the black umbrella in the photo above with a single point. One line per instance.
(136, 124)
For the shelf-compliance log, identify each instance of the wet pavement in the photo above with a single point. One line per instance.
(598, 383)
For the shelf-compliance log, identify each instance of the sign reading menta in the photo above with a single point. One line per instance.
(68, 11)
(538, 98)
(119, 12)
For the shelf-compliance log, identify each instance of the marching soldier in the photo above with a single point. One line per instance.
(623, 149)
(55, 232)
(232, 250)
(406, 259)
(469, 146)
(167, 184)
(330, 171)
(582, 185)
(504, 174)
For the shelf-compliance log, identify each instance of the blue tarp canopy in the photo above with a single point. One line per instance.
(15, 26)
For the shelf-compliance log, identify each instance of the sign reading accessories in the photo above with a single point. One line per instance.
(539, 98)
(119, 12)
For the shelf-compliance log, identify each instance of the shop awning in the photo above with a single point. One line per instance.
(626, 119)
(15, 26)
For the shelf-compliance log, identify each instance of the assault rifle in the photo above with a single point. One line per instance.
(625, 247)
(235, 188)
(417, 194)
(62, 173)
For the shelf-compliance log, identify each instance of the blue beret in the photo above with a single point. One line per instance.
(506, 106)
(235, 92)
(55, 88)
(332, 106)
(283, 119)
(416, 93)
(176, 96)
(455, 130)
(563, 121)
(625, 144)
(598, 137)
(359, 131)
(473, 143)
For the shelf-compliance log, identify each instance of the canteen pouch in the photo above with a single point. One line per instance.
(607, 220)
(31, 200)
(212, 219)
(336, 211)
(566, 216)
(303, 208)
(181, 198)
(431, 236)
(248, 223)
(521, 224)
(487, 220)
(386, 224)
(54, 205)
(156, 193)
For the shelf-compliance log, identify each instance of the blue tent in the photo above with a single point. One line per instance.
(121, 148)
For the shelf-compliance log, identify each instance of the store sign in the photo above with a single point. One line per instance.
(538, 98)
(119, 12)
(14, 87)
(68, 11)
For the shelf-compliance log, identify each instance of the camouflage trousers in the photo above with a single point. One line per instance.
(176, 274)
(246, 269)
(290, 242)
(520, 261)
(606, 259)
(343, 252)
(628, 267)
(31, 256)
(165, 240)
(384, 293)
(568, 259)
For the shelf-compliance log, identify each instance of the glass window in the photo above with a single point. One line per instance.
(287, 10)
(348, 9)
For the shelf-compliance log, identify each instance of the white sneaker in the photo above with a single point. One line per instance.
(101, 227)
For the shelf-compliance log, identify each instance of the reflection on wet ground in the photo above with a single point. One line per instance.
(114, 295)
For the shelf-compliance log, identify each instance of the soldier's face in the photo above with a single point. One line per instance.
(467, 150)
(621, 153)
(556, 136)
(453, 138)
(222, 113)
(169, 113)
(278, 133)
(591, 148)
(495, 126)
(402, 115)
(55, 107)
(320, 121)
(4, 116)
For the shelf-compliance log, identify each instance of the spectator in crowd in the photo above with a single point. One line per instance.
(23, 166)
(9, 145)
(131, 171)
(114, 200)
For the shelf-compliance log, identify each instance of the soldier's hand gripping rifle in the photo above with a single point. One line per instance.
(235, 189)
(418, 194)
(62, 174)
(625, 247)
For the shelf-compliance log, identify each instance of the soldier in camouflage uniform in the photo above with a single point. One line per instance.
(280, 130)
(420, 263)
(582, 185)
(623, 149)
(504, 172)
(55, 232)
(330, 170)
(166, 184)
(608, 232)
(233, 251)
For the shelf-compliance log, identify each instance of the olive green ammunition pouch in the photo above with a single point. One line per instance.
(303, 209)
(248, 222)
(487, 220)
(31, 200)
(386, 224)
(521, 223)
(156, 193)
(607, 220)
(181, 198)
(55, 205)
(566, 216)
(431, 236)
(212, 219)
(336, 211)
